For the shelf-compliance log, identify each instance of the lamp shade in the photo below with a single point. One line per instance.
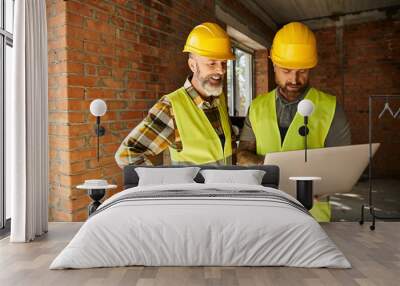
(98, 107)
(305, 107)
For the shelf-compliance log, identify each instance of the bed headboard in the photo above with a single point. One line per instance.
(270, 179)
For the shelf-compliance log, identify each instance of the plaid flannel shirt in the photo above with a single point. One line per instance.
(158, 130)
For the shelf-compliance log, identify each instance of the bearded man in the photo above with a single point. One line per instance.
(193, 120)
(272, 123)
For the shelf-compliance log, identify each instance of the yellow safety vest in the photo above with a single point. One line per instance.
(264, 122)
(200, 143)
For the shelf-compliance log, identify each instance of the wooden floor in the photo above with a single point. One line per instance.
(375, 256)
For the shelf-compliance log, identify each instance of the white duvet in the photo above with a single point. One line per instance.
(185, 231)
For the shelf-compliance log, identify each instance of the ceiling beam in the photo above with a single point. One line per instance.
(353, 18)
(242, 19)
(260, 12)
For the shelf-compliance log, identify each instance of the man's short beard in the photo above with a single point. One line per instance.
(208, 88)
(300, 91)
(292, 93)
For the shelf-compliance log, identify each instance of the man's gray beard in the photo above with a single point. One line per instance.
(212, 91)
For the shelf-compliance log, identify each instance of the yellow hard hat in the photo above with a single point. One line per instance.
(294, 47)
(209, 40)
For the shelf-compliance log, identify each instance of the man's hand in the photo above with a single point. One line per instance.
(247, 154)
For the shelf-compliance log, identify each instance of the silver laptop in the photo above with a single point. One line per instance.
(339, 167)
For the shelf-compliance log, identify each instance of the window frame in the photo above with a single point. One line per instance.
(235, 46)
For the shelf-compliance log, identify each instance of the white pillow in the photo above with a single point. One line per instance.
(248, 177)
(165, 176)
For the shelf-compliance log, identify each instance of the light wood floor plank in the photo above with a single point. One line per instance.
(375, 257)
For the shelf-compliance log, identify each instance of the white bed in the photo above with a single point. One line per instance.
(225, 225)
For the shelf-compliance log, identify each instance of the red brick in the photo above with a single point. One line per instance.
(66, 143)
(116, 104)
(102, 6)
(102, 17)
(74, 19)
(73, 168)
(117, 126)
(82, 154)
(100, 26)
(90, 70)
(82, 34)
(58, 129)
(110, 149)
(111, 170)
(103, 161)
(80, 215)
(80, 129)
(119, 22)
(74, 92)
(76, 117)
(74, 43)
(131, 115)
(110, 83)
(58, 42)
(85, 81)
(139, 105)
(58, 116)
(128, 15)
(78, 8)
(103, 71)
(136, 85)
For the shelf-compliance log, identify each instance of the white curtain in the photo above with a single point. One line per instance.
(26, 124)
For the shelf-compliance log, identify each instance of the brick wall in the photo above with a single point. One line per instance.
(125, 52)
(261, 71)
(364, 61)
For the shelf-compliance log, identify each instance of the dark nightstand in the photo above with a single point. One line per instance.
(304, 190)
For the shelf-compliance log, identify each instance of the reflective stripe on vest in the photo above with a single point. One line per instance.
(200, 143)
(264, 122)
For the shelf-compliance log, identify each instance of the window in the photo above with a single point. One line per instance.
(240, 83)
(6, 65)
